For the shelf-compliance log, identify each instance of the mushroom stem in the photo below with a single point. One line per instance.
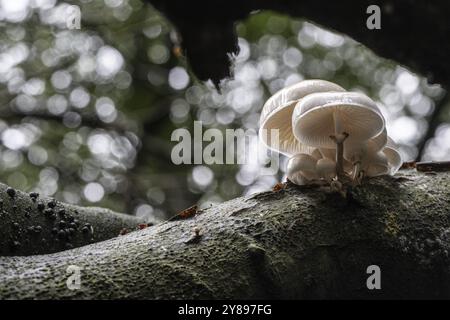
(339, 140)
(356, 173)
(361, 176)
(337, 122)
(337, 186)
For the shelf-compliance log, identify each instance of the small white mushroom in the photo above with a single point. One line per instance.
(357, 155)
(326, 120)
(376, 165)
(316, 154)
(301, 169)
(277, 114)
(326, 169)
(373, 163)
(328, 153)
(362, 153)
(380, 140)
(393, 156)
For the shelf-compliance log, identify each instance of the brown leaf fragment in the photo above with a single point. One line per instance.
(186, 213)
(408, 165)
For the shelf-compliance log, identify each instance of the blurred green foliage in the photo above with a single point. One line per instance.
(87, 115)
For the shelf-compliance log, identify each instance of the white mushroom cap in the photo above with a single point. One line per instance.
(316, 154)
(277, 114)
(348, 166)
(298, 178)
(331, 155)
(317, 116)
(393, 156)
(377, 165)
(380, 140)
(372, 160)
(355, 151)
(326, 168)
(300, 167)
(328, 153)
(359, 150)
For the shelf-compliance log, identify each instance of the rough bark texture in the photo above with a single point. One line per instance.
(34, 225)
(413, 33)
(299, 242)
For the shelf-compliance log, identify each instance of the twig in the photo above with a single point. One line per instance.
(433, 166)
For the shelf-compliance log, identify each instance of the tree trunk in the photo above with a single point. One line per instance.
(298, 242)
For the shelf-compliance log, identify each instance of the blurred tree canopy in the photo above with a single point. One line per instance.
(87, 115)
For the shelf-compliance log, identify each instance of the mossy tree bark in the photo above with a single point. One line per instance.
(298, 242)
(30, 224)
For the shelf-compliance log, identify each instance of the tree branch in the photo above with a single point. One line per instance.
(30, 224)
(299, 242)
(413, 34)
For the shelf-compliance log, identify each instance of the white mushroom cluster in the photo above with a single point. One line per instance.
(329, 134)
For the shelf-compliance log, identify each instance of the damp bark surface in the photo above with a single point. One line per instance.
(31, 224)
(294, 243)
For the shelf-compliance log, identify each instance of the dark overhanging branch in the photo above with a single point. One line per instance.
(412, 34)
